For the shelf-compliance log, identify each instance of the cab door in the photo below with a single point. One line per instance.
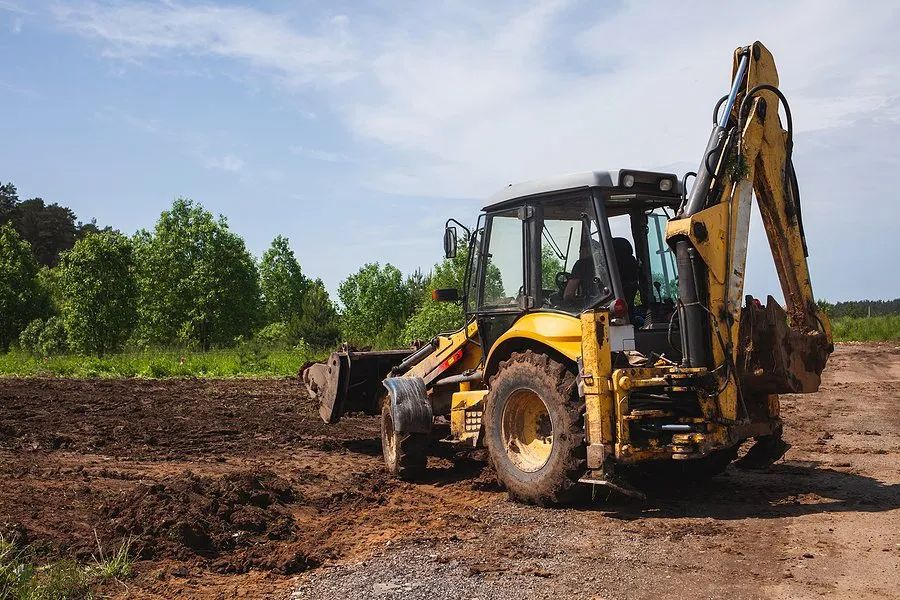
(503, 293)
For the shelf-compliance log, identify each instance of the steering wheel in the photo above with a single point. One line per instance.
(562, 279)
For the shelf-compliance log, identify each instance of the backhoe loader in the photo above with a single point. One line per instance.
(606, 326)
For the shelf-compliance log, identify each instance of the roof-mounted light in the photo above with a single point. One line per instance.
(628, 180)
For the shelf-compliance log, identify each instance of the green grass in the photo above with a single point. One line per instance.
(242, 362)
(251, 360)
(116, 565)
(22, 579)
(866, 329)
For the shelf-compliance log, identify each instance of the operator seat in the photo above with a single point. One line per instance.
(629, 270)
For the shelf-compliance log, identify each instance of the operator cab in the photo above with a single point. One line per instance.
(578, 242)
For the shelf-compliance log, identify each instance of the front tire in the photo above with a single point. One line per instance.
(534, 426)
(404, 453)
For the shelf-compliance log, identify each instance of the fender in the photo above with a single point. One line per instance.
(410, 406)
(558, 331)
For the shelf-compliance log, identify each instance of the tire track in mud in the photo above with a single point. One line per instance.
(209, 479)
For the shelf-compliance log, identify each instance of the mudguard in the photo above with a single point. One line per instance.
(410, 406)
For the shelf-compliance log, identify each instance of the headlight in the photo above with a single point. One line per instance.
(665, 185)
(628, 180)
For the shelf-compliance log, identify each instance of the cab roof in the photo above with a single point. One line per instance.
(573, 181)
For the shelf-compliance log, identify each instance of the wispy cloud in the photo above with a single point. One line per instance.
(139, 30)
(458, 99)
(18, 90)
(14, 7)
(318, 154)
(226, 162)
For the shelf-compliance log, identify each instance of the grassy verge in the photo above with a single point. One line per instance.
(162, 363)
(22, 578)
(254, 361)
(866, 329)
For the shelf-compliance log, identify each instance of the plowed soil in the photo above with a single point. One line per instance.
(235, 488)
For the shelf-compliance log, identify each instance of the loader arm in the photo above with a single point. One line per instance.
(351, 381)
(751, 349)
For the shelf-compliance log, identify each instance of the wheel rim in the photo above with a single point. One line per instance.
(526, 430)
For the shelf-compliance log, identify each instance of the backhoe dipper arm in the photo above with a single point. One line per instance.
(765, 152)
(749, 151)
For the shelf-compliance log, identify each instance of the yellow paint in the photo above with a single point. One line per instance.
(447, 346)
(600, 411)
(526, 430)
(558, 331)
(466, 410)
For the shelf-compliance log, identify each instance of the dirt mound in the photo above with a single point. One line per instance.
(227, 520)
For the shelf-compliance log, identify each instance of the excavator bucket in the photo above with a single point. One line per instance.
(350, 381)
(775, 358)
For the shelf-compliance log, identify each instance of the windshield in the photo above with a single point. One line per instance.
(574, 275)
(662, 262)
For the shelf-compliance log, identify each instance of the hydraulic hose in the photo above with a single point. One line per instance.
(695, 338)
(792, 187)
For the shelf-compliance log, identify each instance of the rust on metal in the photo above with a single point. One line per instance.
(775, 357)
(350, 381)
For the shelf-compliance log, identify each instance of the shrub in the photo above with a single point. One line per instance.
(29, 339)
(44, 337)
(274, 334)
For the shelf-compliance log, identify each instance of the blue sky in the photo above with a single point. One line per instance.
(357, 128)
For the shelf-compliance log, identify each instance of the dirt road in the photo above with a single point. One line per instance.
(236, 489)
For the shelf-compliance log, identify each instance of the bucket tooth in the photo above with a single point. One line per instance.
(763, 453)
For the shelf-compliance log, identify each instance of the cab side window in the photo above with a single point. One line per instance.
(504, 266)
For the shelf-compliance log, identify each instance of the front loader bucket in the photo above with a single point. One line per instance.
(350, 381)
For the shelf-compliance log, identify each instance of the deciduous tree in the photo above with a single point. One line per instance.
(198, 283)
(282, 282)
(99, 292)
(20, 293)
(431, 317)
(317, 324)
(376, 304)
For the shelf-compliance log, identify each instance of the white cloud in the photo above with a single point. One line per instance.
(226, 162)
(469, 112)
(13, 7)
(318, 154)
(456, 100)
(461, 99)
(139, 30)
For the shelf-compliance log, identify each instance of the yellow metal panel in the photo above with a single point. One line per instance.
(558, 331)
(708, 231)
(447, 345)
(599, 418)
(462, 411)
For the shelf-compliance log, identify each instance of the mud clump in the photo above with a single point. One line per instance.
(233, 522)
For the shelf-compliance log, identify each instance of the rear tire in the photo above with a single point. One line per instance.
(534, 427)
(404, 453)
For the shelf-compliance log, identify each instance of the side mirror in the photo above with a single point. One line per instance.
(450, 242)
(445, 295)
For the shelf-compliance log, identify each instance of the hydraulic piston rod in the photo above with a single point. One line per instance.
(695, 339)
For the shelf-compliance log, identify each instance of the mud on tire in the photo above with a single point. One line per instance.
(540, 476)
(404, 453)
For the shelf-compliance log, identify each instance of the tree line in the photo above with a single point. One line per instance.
(191, 282)
(861, 308)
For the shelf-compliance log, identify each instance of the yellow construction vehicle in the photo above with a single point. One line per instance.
(606, 323)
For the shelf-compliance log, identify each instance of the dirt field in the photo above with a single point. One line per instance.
(236, 489)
